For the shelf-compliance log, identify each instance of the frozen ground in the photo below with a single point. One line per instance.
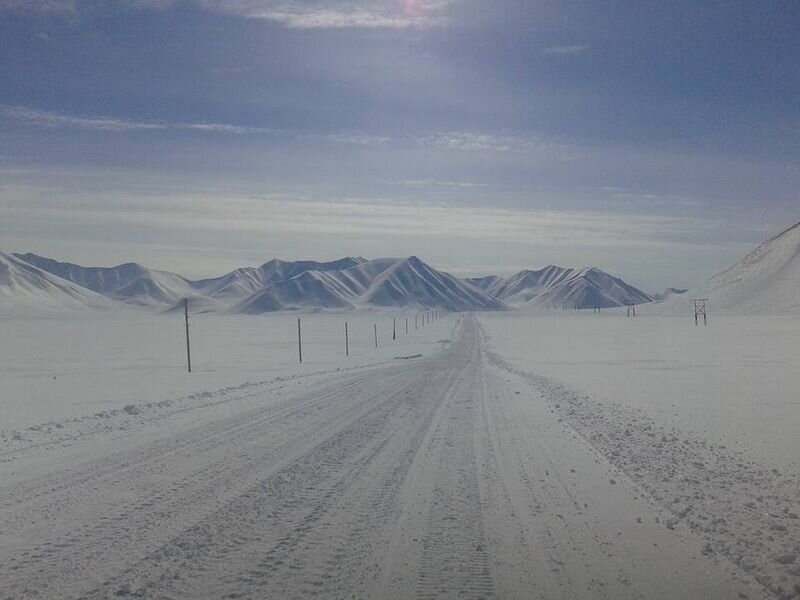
(477, 470)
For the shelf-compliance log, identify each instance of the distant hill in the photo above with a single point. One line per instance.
(557, 287)
(130, 282)
(25, 285)
(249, 280)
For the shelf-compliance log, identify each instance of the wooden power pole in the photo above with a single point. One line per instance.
(299, 341)
(188, 349)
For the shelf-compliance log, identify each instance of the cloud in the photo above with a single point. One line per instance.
(293, 14)
(38, 6)
(376, 217)
(42, 118)
(565, 50)
(484, 142)
(450, 140)
(338, 14)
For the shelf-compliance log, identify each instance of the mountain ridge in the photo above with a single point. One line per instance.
(346, 283)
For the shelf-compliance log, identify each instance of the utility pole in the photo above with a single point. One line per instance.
(188, 349)
(406, 325)
(375, 328)
(299, 341)
(394, 328)
(346, 341)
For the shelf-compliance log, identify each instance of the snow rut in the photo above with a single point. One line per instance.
(454, 562)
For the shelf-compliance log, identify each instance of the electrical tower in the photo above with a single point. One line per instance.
(700, 310)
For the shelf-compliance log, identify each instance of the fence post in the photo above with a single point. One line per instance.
(375, 328)
(188, 349)
(394, 328)
(299, 341)
(406, 325)
(346, 341)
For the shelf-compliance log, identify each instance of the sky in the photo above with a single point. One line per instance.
(657, 140)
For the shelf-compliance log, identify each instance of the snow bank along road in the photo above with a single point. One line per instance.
(449, 476)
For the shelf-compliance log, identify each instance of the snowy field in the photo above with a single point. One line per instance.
(706, 420)
(498, 455)
(735, 382)
(57, 367)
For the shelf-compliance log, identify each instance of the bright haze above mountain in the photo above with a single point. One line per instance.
(655, 140)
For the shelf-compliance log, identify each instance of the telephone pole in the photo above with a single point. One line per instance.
(188, 349)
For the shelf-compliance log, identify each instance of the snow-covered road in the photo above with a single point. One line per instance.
(450, 476)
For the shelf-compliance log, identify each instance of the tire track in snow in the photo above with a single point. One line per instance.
(112, 532)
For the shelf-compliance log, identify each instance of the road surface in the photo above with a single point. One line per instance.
(446, 476)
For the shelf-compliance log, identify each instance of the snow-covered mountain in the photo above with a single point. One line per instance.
(24, 285)
(383, 282)
(351, 282)
(249, 280)
(766, 281)
(554, 287)
(130, 282)
(410, 280)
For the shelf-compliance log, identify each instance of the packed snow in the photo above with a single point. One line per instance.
(506, 454)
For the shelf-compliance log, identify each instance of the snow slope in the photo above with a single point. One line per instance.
(23, 285)
(766, 281)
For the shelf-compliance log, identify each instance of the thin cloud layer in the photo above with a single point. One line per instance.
(571, 49)
(338, 14)
(293, 14)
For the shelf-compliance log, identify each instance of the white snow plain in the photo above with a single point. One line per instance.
(70, 364)
(504, 455)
